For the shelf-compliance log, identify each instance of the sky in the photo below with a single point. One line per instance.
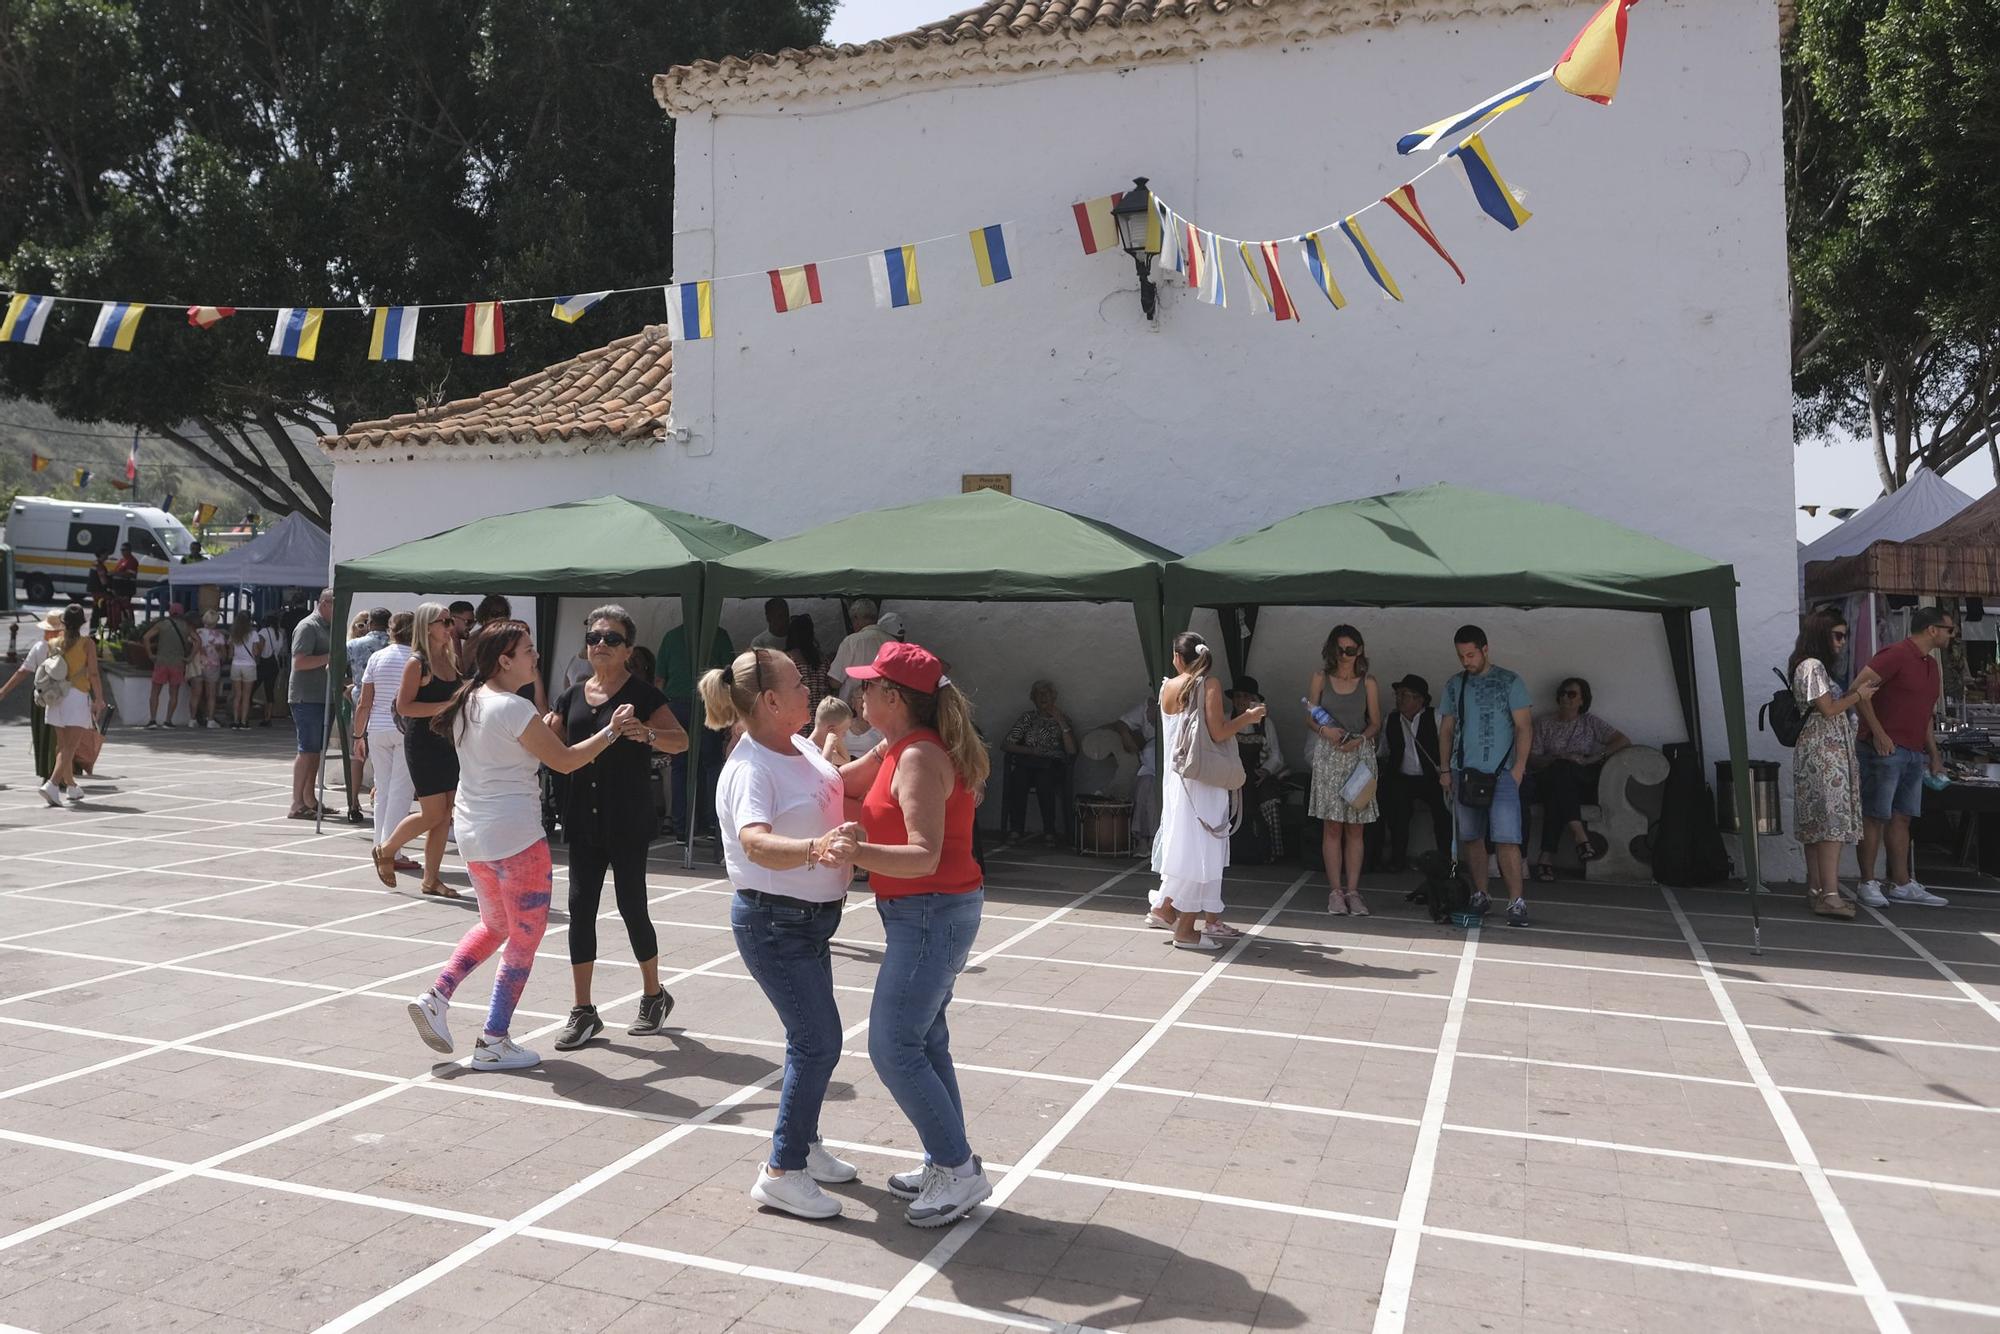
(859, 20)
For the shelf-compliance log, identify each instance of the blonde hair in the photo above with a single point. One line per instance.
(427, 615)
(729, 694)
(949, 714)
(833, 711)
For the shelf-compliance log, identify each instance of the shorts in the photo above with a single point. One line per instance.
(243, 675)
(1892, 784)
(1497, 824)
(211, 674)
(163, 675)
(309, 722)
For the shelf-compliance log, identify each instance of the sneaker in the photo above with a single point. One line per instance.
(947, 1196)
(908, 1185)
(1912, 892)
(214, 726)
(583, 1025)
(152, 725)
(1479, 902)
(72, 794)
(794, 1193)
(51, 793)
(653, 1012)
(170, 723)
(429, 1012)
(1869, 892)
(821, 1165)
(501, 1053)
(1517, 913)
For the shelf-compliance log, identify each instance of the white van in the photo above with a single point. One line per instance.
(56, 541)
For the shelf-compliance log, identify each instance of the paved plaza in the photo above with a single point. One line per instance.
(215, 1116)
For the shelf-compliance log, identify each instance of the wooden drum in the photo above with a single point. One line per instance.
(1103, 827)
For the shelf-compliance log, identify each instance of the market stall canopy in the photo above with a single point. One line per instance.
(1916, 507)
(292, 553)
(1449, 546)
(1958, 558)
(609, 546)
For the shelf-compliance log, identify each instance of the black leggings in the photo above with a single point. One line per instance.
(1565, 787)
(587, 865)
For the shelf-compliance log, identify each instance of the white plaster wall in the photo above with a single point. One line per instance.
(1625, 352)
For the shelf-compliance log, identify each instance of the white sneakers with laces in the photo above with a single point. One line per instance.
(821, 1165)
(947, 1196)
(431, 1013)
(794, 1193)
(501, 1053)
(1868, 893)
(1912, 892)
(51, 793)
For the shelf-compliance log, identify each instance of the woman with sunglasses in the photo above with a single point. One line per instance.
(501, 746)
(608, 819)
(1571, 746)
(1826, 771)
(1347, 720)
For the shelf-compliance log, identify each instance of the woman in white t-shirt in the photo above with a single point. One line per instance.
(778, 803)
(502, 743)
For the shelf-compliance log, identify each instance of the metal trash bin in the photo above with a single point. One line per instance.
(1763, 798)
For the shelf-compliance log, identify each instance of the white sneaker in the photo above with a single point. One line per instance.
(794, 1193)
(821, 1165)
(72, 794)
(214, 726)
(1912, 892)
(948, 1197)
(1869, 892)
(51, 793)
(430, 1012)
(501, 1054)
(908, 1185)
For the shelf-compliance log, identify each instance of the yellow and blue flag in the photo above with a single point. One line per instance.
(26, 314)
(570, 309)
(894, 272)
(690, 311)
(989, 254)
(1317, 265)
(117, 323)
(394, 337)
(1206, 276)
(296, 333)
(1495, 196)
(1369, 259)
(1474, 116)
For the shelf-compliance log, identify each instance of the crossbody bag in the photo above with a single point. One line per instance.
(1475, 786)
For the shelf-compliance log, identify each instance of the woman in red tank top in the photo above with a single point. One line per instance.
(918, 789)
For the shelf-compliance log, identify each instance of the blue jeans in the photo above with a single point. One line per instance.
(1495, 824)
(784, 945)
(926, 938)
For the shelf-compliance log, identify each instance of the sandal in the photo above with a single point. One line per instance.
(1545, 872)
(1202, 943)
(1220, 931)
(1827, 903)
(1586, 851)
(385, 871)
(438, 889)
(1158, 923)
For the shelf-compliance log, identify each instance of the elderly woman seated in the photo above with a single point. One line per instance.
(1040, 749)
(1571, 746)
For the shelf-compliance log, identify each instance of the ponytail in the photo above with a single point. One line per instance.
(1193, 650)
(729, 694)
(495, 642)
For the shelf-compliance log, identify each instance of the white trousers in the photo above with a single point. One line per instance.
(393, 789)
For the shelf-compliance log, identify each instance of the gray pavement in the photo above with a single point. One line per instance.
(214, 1115)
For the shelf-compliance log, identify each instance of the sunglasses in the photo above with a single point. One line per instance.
(1349, 650)
(609, 638)
(1840, 636)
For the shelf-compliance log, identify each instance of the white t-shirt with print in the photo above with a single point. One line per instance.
(798, 796)
(498, 810)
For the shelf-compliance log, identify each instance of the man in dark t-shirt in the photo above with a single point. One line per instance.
(1897, 745)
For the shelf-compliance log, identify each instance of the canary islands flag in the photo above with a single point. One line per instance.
(894, 272)
(1495, 196)
(794, 287)
(117, 322)
(394, 337)
(1402, 201)
(207, 317)
(296, 334)
(1591, 64)
(1211, 288)
(26, 314)
(989, 254)
(485, 330)
(81, 479)
(1314, 250)
(1369, 259)
(570, 309)
(690, 311)
(1422, 141)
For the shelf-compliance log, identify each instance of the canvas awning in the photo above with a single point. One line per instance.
(1914, 508)
(291, 553)
(1958, 558)
(1454, 546)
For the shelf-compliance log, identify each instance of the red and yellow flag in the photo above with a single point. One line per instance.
(1402, 201)
(485, 330)
(1591, 64)
(37, 462)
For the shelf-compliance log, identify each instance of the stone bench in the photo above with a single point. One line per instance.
(1629, 789)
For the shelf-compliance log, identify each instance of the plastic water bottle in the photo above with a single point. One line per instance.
(1319, 715)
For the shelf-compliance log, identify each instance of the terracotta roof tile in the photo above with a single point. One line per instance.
(620, 393)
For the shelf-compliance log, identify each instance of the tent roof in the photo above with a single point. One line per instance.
(1958, 558)
(609, 545)
(1445, 546)
(982, 546)
(292, 553)
(1918, 506)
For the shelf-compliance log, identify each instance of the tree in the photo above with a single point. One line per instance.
(333, 152)
(1892, 118)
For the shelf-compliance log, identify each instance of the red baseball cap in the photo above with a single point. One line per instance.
(906, 665)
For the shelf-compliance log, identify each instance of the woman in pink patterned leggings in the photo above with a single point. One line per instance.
(498, 812)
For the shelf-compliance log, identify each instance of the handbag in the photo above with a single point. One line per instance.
(1199, 758)
(1475, 787)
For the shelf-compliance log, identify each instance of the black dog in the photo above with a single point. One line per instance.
(1440, 886)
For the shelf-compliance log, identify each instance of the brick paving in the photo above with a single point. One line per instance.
(214, 1115)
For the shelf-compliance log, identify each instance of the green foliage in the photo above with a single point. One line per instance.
(333, 152)
(1893, 132)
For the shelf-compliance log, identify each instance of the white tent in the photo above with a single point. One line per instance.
(292, 553)
(1916, 507)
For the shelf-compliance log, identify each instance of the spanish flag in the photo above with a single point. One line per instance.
(117, 324)
(1591, 65)
(485, 330)
(794, 287)
(207, 317)
(37, 462)
(1402, 201)
(1095, 224)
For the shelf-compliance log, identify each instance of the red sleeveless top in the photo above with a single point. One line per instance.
(882, 818)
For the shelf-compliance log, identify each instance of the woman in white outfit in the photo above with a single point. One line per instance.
(377, 738)
(1192, 847)
(82, 699)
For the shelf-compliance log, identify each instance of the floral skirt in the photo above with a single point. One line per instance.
(1331, 769)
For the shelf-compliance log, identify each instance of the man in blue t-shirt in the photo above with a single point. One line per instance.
(1486, 727)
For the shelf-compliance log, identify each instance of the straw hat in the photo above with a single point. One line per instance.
(52, 623)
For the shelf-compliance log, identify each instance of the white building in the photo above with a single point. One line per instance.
(1625, 352)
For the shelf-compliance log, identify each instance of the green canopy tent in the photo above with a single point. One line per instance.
(607, 547)
(1453, 546)
(983, 546)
